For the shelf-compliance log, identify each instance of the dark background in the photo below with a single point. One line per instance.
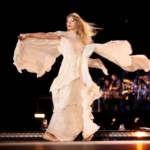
(121, 20)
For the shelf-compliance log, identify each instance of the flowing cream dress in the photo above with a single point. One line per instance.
(73, 90)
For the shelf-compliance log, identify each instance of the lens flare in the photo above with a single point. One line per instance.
(140, 134)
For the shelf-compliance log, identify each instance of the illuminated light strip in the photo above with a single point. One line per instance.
(122, 134)
(141, 134)
(100, 134)
(39, 115)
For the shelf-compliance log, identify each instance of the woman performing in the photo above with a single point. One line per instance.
(73, 90)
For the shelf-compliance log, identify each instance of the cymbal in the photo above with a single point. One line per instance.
(128, 81)
(144, 77)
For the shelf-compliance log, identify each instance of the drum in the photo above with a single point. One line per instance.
(110, 94)
(128, 86)
(115, 94)
(106, 95)
(125, 86)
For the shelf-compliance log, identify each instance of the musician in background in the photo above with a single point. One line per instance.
(106, 102)
(115, 84)
(106, 84)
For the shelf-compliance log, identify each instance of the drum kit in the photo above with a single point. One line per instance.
(136, 90)
(139, 88)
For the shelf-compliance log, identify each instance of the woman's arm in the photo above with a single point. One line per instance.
(40, 35)
(114, 88)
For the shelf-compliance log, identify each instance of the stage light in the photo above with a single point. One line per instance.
(113, 121)
(136, 120)
(140, 134)
(39, 115)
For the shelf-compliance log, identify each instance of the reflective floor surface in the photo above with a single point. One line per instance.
(76, 145)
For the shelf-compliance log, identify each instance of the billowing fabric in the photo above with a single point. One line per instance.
(36, 55)
(73, 90)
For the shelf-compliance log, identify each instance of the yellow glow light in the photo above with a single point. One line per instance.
(39, 115)
(139, 146)
(140, 134)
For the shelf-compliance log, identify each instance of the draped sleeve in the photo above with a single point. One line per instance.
(97, 63)
(118, 52)
(37, 55)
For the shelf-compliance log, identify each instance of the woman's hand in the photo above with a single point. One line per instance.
(22, 36)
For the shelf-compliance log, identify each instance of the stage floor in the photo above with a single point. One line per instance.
(76, 145)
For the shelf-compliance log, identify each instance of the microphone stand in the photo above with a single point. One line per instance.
(138, 92)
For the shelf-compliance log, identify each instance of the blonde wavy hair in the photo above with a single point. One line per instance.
(85, 29)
